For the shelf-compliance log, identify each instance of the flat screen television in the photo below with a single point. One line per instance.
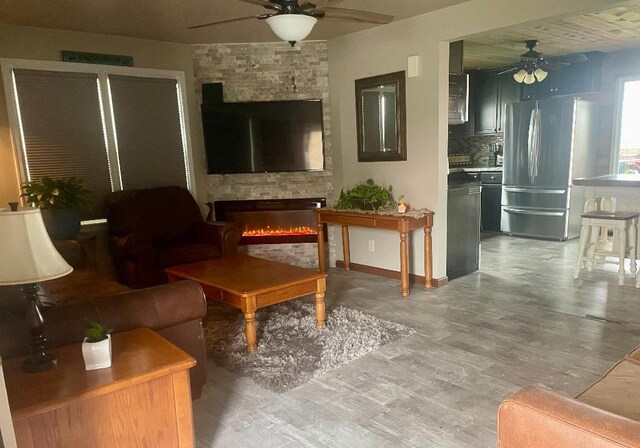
(263, 136)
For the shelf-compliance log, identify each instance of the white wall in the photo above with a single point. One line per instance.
(385, 49)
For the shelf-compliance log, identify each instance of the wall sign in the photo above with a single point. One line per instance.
(97, 58)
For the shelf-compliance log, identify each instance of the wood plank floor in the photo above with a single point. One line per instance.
(517, 322)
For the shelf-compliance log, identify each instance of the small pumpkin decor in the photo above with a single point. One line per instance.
(96, 348)
(61, 201)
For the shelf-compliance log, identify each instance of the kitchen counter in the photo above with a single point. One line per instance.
(610, 180)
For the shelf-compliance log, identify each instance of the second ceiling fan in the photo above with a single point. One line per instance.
(293, 20)
(534, 66)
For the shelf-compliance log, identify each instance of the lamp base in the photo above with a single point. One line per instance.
(39, 363)
(39, 360)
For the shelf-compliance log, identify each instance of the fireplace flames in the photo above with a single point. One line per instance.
(279, 231)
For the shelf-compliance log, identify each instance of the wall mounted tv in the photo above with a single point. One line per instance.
(263, 136)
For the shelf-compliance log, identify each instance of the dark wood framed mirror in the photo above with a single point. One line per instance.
(381, 115)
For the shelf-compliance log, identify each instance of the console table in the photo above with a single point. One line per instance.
(401, 223)
(144, 398)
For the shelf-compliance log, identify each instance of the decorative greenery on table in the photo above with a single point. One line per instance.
(95, 332)
(367, 196)
(49, 193)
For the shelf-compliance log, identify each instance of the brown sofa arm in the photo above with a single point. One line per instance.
(134, 261)
(536, 417)
(175, 311)
(225, 235)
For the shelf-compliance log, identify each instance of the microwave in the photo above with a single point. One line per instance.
(458, 98)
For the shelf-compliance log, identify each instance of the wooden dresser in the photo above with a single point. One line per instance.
(144, 399)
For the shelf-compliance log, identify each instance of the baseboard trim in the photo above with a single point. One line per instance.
(413, 278)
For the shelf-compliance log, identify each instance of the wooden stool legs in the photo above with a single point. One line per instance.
(595, 246)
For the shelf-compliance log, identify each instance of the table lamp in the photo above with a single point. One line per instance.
(27, 257)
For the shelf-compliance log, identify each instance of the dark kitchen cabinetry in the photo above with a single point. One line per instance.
(463, 224)
(574, 79)
(491, 199)
(491, 94)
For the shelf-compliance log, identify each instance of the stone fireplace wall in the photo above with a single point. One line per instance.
(271, 72)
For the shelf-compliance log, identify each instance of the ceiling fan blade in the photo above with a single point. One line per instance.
(317, 4)
(508, 70)
(354, 15)
(571, 58)
(256, 2)
(264, 3)
(239, 19)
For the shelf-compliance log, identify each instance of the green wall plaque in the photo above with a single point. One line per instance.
(97, 58)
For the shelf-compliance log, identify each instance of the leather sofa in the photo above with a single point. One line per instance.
(606, 414)
(175, 311)
(156, 228)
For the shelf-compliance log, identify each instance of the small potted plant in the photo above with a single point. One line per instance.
(96, 348)
(60, 200)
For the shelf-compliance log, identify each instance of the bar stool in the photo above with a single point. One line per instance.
(595, 245)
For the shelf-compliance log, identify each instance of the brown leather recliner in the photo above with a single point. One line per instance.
(156, 228)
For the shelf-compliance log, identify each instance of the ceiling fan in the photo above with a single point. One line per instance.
(533, 66)
(293, 20)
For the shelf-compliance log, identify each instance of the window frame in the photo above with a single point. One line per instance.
(617, 123)
(108, 121)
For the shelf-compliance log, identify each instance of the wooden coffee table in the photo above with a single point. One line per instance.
(250, 283)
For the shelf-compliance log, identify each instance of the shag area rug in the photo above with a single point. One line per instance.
(291, 349)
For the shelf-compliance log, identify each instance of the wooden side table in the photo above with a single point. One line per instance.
(400, 223)
(144, 399)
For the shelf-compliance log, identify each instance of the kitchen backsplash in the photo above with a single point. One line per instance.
(478, 146)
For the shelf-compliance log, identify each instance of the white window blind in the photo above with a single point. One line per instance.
(148, 131)
(62, 130)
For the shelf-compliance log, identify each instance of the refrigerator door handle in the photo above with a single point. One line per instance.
(522, 211)
(532, 191)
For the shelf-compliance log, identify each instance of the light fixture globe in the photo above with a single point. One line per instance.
(291, 27)
(529, 78)
(519, 76)
(540, 74)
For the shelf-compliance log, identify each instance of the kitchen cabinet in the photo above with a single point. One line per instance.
(492, 92)
(463, 224)
(574, 79)
(491, 199)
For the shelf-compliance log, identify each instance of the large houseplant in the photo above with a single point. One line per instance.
(61, 201)
(367, 196)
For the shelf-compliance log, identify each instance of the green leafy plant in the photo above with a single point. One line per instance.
(366, 196)
(66, 192)
(95, 332)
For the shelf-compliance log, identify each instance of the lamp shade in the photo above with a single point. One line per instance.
(529, 78)
(540, 74)
(519, 76)
(27, 254)
(291, 27)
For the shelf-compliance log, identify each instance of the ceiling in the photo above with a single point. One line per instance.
(167, 20)
(609, 30)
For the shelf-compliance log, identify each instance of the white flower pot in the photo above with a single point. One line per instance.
(97, 355)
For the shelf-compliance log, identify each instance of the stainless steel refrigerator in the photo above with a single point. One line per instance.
(547, 144)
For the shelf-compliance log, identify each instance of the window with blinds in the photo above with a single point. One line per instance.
(147, 125)
(136, 140)
(62, 130)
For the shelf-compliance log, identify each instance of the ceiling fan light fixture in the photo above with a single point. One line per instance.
(540, 74)
(529, 78)
(519, 76)
(291, 27)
